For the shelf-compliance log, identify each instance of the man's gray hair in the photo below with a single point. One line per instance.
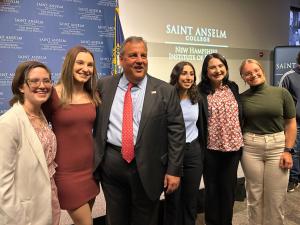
(135, 39)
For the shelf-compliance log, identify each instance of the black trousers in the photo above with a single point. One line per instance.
(220, 178)
(126, 200)
(181, 205)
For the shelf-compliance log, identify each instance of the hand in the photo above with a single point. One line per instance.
(286, 161)
(171, 183)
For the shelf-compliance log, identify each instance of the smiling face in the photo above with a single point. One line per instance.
(83, 67)
(216, 71)
(186, 78)
(37, 87)
(253, 74)
(134, 61)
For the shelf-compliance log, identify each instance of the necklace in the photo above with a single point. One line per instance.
(37, 121)
(34, 116)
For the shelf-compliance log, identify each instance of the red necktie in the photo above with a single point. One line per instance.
(127, 127)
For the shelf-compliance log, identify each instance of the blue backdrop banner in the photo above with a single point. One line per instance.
(45, 30)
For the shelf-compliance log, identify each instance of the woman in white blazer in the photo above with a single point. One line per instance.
(27, 150)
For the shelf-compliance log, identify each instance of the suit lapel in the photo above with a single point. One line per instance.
(108, 101)
(150, 97)
(205, 106)
(33, 139)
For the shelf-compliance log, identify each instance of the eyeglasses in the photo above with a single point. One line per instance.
(248, 75)
(35, 83)
(252, 73)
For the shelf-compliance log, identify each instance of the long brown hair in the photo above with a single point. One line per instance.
(176, 71)
(66, 78)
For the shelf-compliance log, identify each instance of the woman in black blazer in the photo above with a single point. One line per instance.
(223, 139)
(181, 205)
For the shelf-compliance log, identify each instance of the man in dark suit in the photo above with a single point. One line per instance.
(132, 187)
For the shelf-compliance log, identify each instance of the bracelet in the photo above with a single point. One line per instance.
(287, 149)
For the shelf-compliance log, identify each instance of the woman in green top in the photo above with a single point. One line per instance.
(269, 134)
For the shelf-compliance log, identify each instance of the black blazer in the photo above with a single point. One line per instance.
(200, 122)
(235, 90)
(161, 136)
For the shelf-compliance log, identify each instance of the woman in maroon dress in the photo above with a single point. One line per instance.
(72, 110)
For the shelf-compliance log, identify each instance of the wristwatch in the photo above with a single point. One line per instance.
(290, 150)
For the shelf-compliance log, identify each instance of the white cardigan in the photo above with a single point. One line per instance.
(25, 188)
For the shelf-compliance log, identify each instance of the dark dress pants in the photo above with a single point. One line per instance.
(181, 205)
(220, 178)
(126, 200)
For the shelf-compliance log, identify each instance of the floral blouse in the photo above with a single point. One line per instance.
(48, 140)
(224, 130)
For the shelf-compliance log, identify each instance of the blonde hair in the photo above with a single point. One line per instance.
(244, 62)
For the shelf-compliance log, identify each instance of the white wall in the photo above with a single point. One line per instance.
(251, 27)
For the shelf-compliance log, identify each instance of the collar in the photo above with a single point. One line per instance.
(258, 87)
(123, 83)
